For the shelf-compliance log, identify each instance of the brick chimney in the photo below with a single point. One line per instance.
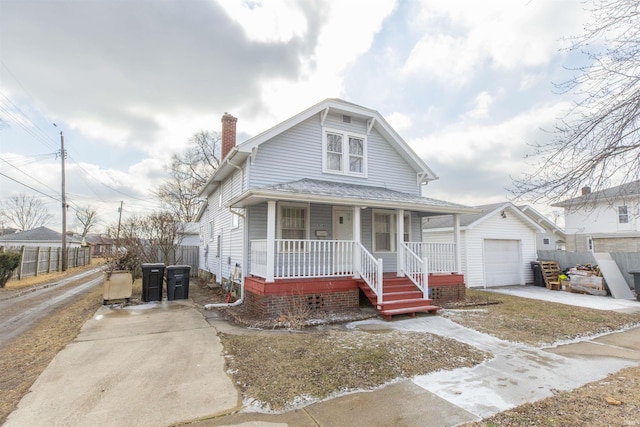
(228, 133)
(586, 190)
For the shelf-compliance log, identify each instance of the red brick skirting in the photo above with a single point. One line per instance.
(444, 288)
(287, 297)
(292, 296)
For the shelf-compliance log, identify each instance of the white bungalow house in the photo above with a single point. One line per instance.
(498, 244)
(604, 221)
(321, 205)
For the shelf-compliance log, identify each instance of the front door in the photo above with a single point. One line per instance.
(343, 230)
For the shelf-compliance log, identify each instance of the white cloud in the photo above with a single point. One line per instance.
(267, 21)
(501, 145)
(399, 121)
(481, 106)
(459, 36)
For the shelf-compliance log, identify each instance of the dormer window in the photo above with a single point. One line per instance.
(344, 153)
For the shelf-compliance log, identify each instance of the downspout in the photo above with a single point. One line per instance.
(241, 299)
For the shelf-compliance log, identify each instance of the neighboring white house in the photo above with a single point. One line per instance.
(41, 236)
(553, 238)
(307, 208)
(604, 221)
(498, 244)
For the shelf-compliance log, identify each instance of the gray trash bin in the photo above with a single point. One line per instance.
(178, 282)
(636, 283)
(152, 280)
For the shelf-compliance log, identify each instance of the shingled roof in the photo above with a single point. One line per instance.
(608, 194)
(40, 234)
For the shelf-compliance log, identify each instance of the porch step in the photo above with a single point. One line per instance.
(399, 296)
(386, 314)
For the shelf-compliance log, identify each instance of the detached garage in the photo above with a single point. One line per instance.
(497, 244)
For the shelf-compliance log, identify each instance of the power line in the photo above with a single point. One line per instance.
(29, 187)
(21, 171)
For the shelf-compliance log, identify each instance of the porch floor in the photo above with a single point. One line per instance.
(399, 296)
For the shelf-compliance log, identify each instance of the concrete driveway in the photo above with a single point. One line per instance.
(154, 364)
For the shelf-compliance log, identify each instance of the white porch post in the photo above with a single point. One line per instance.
(399, 240)
(456, 241)
(271, 239)
(356, 239)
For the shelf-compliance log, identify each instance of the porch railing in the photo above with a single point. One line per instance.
(304, 258)
(318, 258)
(370, 270)
(441, 256)
(416, 269)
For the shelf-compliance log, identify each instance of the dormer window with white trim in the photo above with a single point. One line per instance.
(344, 153)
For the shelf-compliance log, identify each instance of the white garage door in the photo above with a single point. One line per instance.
(502, 262)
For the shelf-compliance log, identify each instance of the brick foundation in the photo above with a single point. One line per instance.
(444, 293)
(286, 297)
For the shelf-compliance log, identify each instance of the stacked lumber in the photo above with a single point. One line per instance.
(586, 281)
(550, 273)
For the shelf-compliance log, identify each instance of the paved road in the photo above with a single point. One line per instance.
(20, 313)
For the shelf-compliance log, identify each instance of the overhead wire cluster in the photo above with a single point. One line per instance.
(17, 165)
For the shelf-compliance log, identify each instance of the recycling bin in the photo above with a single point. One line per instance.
(152, 280)
(636, 283)
(178, 282)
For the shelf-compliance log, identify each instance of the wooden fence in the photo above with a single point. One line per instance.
(37, 260)
(183, 255)
(626, 261)
(42, 260)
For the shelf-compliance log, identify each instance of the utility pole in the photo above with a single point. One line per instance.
(119, 221)
(63, 154)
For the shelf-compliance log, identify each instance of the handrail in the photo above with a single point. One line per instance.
(416, 269)
(370, 270)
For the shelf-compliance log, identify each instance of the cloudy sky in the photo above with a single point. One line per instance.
(468, 84)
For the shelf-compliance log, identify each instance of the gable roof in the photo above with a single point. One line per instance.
(240, 152)
(542, 220)
(471, 220)
(629, 189)
(40, 234)
(311, 190)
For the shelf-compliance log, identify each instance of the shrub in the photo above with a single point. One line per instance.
(9, 261)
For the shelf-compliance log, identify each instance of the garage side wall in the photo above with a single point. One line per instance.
(498, 228)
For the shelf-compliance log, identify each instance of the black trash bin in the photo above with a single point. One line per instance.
(178, 282)
(636, 283)
(538, 279)
(152, 277)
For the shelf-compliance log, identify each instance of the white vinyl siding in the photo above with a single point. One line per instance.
(297, 153)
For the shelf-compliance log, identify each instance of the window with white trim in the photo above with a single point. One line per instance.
(211, 235)
(234, 220)
(344, 153)
(545, 241)
(623, 215)
(293, 224)
(382, 232)
(385, 232)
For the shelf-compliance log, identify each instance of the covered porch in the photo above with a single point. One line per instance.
(321, 250)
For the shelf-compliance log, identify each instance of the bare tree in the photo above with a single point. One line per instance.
(597, 143)
(87, 217)
(25, 212)
(189, 173)
(150, 239)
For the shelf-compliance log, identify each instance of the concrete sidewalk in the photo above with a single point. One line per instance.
(154, 364)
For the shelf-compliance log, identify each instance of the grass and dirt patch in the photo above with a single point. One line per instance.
(279, 372)
(535, 322)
